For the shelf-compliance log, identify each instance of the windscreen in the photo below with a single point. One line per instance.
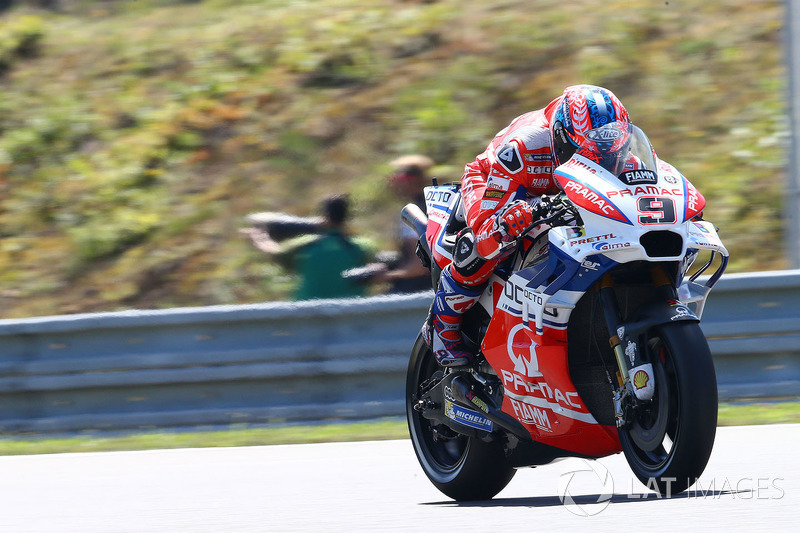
(624, 150)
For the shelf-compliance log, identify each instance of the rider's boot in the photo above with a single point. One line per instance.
(451, 302)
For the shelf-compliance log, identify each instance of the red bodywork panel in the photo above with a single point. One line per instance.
(538, 389)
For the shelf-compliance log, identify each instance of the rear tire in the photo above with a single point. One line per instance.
(462, 467)
(668, 443)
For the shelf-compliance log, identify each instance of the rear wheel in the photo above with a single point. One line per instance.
(669, 439)
(462, 467)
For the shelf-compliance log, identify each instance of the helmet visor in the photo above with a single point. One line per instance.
(620, 148)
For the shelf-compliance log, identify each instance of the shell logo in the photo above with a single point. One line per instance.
(640, 379)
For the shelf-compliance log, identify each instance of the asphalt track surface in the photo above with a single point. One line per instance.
(752, 483)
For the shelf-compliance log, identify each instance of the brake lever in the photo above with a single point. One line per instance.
(564, 207)
(558, 215)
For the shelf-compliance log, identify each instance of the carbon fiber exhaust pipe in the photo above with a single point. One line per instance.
(473, 396)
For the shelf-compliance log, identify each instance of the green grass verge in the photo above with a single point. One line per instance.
(730, 414)
(773, 412)
(344, 432)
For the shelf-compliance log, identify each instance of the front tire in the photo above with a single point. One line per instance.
(668, 441)
(462, 467)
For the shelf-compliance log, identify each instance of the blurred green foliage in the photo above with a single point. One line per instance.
(135, 136)
(19, 39)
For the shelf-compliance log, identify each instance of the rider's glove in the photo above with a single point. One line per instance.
(515, 218)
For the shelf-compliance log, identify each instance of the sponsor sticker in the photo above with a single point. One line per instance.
(531, 415)
(497, 182)
(509, 158)
(438, 196)
(630, 351)
(459, 302)
(465, 416)
(694, 200)
(590, 198)
(649, 190)
(635, 177)
(681, 310)
(491, 193)
(575, 163)
(539, 388)
(609, 246)
(589, 240)
(480, 404)
(590, 265)
(522, 351)
(541, 183)
(537, 157)
(604, 134)
(539, 170)
(701, 227)
(640, 379)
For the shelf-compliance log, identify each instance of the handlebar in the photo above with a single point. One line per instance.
(565, 207)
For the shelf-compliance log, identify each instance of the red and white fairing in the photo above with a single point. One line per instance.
(621, 201)
(670, 201)
(534, 370)
(442, 203)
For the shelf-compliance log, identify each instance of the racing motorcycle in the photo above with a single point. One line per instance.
(587, 337)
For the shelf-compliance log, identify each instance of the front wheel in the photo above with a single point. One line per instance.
(668, 440)
(462, 467)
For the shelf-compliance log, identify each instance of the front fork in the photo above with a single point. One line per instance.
(635, 377)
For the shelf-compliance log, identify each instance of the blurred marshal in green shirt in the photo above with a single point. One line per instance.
(319, 261)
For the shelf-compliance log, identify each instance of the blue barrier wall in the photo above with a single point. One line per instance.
(308, 361)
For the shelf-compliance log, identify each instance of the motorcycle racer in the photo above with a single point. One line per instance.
(501, 193)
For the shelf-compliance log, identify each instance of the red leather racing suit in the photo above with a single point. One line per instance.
(517, 164)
